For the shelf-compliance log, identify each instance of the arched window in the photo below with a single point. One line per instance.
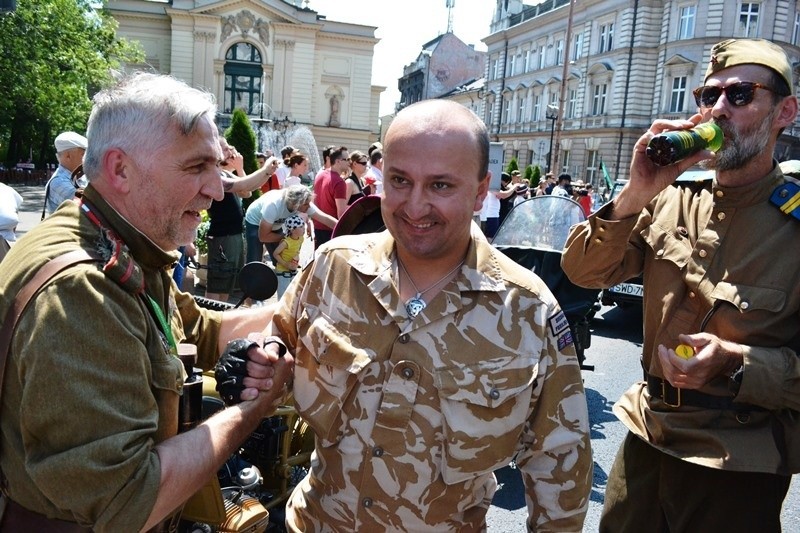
(243, 74)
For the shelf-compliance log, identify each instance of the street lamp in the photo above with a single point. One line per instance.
(552, 115)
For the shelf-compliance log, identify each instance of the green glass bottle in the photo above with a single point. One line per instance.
(673, 146)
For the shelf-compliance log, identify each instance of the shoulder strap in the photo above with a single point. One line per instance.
(24, 296)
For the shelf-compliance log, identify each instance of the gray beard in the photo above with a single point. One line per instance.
(740, 147)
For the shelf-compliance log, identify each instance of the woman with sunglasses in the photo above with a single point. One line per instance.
(356, 188)
(715, 431)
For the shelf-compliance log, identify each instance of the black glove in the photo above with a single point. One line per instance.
(231, 369)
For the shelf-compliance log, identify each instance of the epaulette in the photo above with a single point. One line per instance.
(787, 198)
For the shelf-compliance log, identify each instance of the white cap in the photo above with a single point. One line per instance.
(70, 139)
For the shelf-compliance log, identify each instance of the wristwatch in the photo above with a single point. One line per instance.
(735, 380)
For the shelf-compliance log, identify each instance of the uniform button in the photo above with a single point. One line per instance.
(367, 502)
(660, 253)
(702, 253)
(719, 194)
(602, 229)
(784, 193)
(377, 452)
(403, 338)
(744, 306)
(408, 372)
(720, 216)
(598, 240)
(692, 294)
(683, 232)
(494, 394)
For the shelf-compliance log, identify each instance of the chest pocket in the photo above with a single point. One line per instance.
(750, 299)
(326, 367)
(167, 384)
(484, 408)
(667, 245)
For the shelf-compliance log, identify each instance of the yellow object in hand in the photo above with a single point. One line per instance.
(685, 351)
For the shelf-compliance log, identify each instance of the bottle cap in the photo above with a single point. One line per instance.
(685, 351)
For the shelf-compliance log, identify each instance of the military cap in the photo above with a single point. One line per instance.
(734, 52)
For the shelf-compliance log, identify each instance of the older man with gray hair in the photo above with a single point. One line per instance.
(265, 217)
(89, 412)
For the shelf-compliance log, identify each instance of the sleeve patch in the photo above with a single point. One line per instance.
(564, 340)
(559, 323)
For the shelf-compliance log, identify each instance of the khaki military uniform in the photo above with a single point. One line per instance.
(719, 260)
(413, 416)
(90, 386)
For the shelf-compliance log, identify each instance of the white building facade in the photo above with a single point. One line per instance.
(273, 58)
(628, 62)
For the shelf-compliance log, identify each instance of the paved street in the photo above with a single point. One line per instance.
(615, 350)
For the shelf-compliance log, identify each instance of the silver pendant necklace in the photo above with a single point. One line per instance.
(416, 304)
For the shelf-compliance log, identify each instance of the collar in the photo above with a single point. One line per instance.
(142, 249)
(750, 194)
(480, 272)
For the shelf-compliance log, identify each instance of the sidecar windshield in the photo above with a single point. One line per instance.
(541, 222)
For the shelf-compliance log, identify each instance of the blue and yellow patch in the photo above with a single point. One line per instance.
(787, 198)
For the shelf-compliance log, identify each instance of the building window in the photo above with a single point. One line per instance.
(243, 74)
(592, 159)
(687, 18)
(572, 103)
(521, 110)
(599, 99)
(796, 31)
(507, 110)
(495, 69)
(511, 64)
(537, 104)
(541, 57)
(606, 37)
(678, 96)
(577, 46)
(748, 19)
(565, 162)
(528, 57)
(560, 52)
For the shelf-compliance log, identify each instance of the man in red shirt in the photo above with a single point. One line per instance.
(330, 192)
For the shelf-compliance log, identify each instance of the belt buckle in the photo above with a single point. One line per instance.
(664, 394)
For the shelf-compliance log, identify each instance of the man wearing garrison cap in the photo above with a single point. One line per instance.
(715, 424)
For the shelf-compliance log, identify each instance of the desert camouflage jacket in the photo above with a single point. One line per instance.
(413, 416)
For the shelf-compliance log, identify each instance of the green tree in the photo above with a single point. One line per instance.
(536, 176)
(528, 174)
(241, 136)
(512, 165)
(56, 55)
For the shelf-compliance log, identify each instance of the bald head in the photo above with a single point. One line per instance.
(441, 118)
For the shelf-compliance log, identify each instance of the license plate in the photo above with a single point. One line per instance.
(631, 289)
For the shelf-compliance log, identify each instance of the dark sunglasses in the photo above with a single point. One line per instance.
(739, 94)
(360, 162)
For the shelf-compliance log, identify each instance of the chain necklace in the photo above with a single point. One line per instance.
(416, 304)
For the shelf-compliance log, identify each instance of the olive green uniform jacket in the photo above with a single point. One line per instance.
(90, 386)
(727, 257)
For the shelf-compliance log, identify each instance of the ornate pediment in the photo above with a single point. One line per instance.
(244, 22)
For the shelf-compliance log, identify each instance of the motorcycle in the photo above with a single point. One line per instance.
(255, 481)
(533, 234)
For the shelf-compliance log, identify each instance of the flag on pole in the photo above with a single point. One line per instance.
(606, 177)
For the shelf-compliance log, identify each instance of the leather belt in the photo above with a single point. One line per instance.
(18, 518)
(287, 274)
(675, 397)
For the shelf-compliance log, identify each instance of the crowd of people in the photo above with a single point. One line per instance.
(425, 358)
(514, 189)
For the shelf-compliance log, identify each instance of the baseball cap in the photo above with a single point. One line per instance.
(70, 139)
(734, 52)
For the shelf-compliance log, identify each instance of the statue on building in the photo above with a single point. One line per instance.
(333, 121)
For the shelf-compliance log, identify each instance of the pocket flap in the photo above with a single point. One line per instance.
(488, 383)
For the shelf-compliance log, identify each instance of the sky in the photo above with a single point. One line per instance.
(403, 26)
